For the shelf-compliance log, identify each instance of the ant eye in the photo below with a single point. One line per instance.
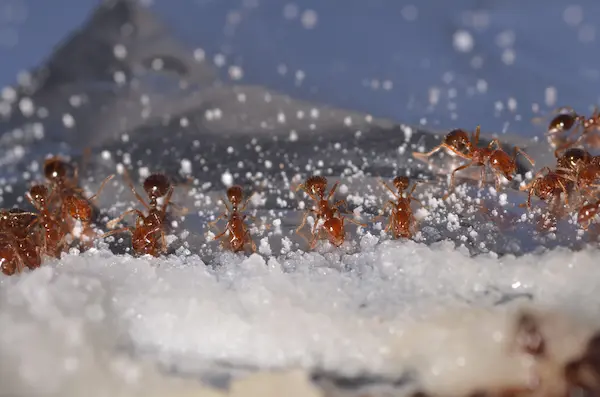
(156, 185)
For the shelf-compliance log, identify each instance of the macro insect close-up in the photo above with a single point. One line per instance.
(311, 199)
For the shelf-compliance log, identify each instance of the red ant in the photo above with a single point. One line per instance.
(53, 235)
(545, 186)
(148, 234)
(237, 230)
(565, 125)
(315, 187)
(71, 201)
(401, 220)
(496, 159)
(18, 248)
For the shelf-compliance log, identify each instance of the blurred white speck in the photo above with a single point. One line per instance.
(314, 113)
(463, 41)
(199, 55)
(512, 104)
(9, 94)
(293, 136)
(550, 96)
(227, 178)
(68, 120)
(186, 166)
(375, 84)
(300, 75)
(482, 86)
(348, 121)
(434, 95)
(157, 64)
(26, 106)
(509, 56)
(241, 97)
(387, 85)
(477, 62)
(281, 117)
(282, 69)
(309, 19)
(120, 51)
(268, 164)
(125, 138)
(587, 34)
(409, 13)
(106, 155)
(120, 77)
(230, 150)
(184, 122)
(505, 39)
(300, 114)
(290, 11)
(236, 72)
(219, 60)
(75, 100)
(499, 106)
(573, 15)
(38, 130)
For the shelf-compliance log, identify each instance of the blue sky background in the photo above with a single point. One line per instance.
(386, 57)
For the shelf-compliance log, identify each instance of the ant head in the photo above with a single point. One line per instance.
(235, 195)
(55, 169)
(156, 185)
(39, 194)
(316, 185)
(572, 158)
(459, 140)
(401, 183)
(562, 122)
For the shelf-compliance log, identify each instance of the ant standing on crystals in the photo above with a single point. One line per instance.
(69, 197)
(401, 220)
(149, 233)
(236, 228)
(495, 159)
(333, 223)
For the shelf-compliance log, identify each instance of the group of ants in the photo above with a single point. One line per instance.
(62, 215)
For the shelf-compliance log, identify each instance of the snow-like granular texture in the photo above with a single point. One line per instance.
(89, 319)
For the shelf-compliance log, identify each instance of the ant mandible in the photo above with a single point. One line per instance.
(236, 228)
(315, 187)
(401, 220)
(148, 234)
(496, 159)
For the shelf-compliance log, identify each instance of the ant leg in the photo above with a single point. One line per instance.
(452, 178)
(112, 223)
(424, 156)
(104, 182)
(389, 188)
(355, 221)
(115, 231)
(214, 223)
(496, 142)
(135, 193)
(333, 189)
(180, 210)
(519, 150)
(390, 203)
(476, 136)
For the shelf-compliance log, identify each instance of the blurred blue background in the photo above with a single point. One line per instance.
(441, 63)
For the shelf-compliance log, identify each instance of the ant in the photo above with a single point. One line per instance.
(71, 200)
(237, 230)
(401, 220)
(315, 187)
(18, 248)
(456, 141)
(148, 234)
(565, 125)
(545, 186)
(496, 159)
(53, 235)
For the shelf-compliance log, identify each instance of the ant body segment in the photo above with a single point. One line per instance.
(565, 125)
(53, 234)
(333, 223)
(148, 234)
(238, 233)
(401, 220)
(18, 245)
